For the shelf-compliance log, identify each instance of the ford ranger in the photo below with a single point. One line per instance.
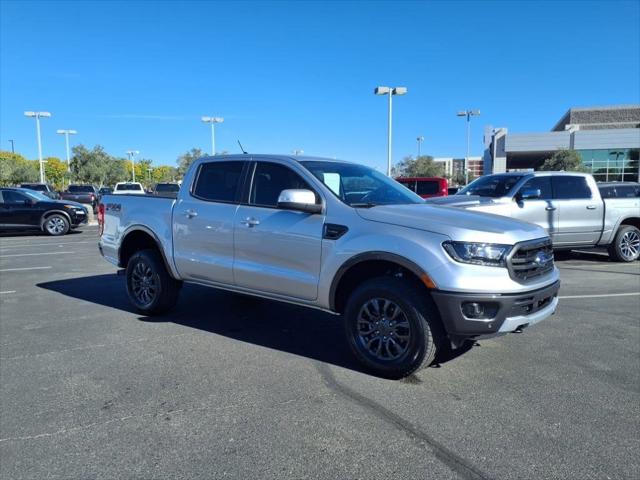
(567, 205)
(408, 278)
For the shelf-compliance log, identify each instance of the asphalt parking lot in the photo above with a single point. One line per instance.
(229, 386)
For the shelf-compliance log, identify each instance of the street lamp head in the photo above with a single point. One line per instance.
(400, 90)
(462, 114)
(420, 138)
(29, 114)
(212, 119)
(382, 90)
(218, 120)
(206, 119)
(44, 114)
(72, 132)
(475, 112)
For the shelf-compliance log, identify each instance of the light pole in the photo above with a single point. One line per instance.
(390, 91)
(38, 116)
(212, 121)
(420, 139)
(13, 150)
(130, 154)
(66, 134)
(468, 114)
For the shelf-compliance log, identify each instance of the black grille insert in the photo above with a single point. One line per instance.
(531, 259)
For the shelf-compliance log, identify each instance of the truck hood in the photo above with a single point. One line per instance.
(464, 201)
(457, 224)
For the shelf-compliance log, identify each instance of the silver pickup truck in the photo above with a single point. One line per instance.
(408, 278)
(567, 205)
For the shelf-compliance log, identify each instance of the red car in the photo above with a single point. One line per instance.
(426, 187)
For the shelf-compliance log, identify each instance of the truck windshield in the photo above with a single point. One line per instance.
(491, 186)
(360, 186)
(80, 188)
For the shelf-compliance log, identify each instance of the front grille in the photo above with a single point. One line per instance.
(531, 259)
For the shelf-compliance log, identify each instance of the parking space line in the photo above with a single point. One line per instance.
(631, 294)
(3, 247)
(7, 291)
(31, 254)
(25, 268)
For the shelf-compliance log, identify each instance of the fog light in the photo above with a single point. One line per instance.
(480, 310)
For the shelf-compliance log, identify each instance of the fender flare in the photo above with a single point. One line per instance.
(152, 234)
(367, 256)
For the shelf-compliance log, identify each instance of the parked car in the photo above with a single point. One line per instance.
(128, 188)
(453, 190)
(166, 189)
(619, 189)
(408, 278)
(87, 194)
(426, 187)
(26, 209)
(105, 191)
(567, 205)
(43, 188)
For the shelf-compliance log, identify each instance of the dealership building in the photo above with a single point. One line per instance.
(607, 138)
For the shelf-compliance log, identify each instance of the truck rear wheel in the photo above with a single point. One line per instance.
(392, 327)
(151, 289)
(626, 244)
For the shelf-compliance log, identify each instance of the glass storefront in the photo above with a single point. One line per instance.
(614, 165)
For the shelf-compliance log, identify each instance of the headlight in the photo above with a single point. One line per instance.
(491, 254)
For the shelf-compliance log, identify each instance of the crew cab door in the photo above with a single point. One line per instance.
(580, 214)
(277, 251)
(541, 210)
(203, 220)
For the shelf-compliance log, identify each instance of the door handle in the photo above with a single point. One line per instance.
(190, 213)
(549, 209)
(250, 222)
(591, 207)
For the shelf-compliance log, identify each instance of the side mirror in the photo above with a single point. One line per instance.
(529, 194)
(301, 200)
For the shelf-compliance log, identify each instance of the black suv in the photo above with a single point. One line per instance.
(25, 209)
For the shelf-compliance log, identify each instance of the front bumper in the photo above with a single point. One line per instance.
(508, 311)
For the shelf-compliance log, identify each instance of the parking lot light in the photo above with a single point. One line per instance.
(66, 134)
(131, 154)
(390, 92)
(468, 114)
(38, 116)
(212, 121)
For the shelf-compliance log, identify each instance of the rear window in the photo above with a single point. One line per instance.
(167, 187)
(620, 191)
(37, 187)
(80, 188)
(427, 187)
(128, 186)
(218, 181)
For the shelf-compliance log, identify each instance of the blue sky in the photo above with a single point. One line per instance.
(300, 75)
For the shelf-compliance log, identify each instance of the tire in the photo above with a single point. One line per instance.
(416, 332)
(626, 244)
(151, 290)
(56, 225)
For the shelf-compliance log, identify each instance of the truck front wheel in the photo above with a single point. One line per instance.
(626, 244)
(151, 289)
(392, 326)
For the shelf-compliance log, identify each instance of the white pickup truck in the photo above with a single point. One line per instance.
(567, 205)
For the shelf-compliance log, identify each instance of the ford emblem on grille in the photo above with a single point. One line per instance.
(542, 258)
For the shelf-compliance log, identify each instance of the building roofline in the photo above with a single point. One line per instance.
(596, 107)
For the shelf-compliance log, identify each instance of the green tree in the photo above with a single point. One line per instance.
(187, 158)
(422, 166)
(564, 160)
(117, 170)
(164, 173)
(15, 169)
(89, 166)
(55, 172)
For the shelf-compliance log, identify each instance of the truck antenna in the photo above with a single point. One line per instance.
(241, 149)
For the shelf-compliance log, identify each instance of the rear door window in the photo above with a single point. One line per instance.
(567, 187)
(219, 181)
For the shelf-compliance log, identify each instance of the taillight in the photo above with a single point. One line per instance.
(101, 218)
